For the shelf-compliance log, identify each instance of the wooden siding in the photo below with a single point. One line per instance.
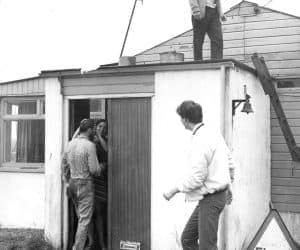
(127, 84)
(285, 176)
(276, 37)
(129, 171)
(23, 88)
(272, 34)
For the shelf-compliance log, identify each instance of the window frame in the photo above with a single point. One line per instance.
(19, 166)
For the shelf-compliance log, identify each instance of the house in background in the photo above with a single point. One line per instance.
(275, 35)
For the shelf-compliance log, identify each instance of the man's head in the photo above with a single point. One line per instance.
(190, 113)
(86, 127)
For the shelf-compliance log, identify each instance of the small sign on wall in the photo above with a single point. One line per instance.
(129, 245)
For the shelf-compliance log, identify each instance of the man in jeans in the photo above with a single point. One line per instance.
(207, 180)
(206, 15)
(81, 157)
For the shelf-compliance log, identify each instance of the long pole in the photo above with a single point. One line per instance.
(124, 42)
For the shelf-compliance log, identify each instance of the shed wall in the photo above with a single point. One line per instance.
(170, 146)
(250, 143)
(22, 200)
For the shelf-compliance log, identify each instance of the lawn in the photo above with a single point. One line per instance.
(27, 239)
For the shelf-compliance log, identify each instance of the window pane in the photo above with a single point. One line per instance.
(43, 106)
(21, 107)
(24, 141)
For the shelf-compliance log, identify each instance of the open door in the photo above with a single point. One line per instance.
(129, 176)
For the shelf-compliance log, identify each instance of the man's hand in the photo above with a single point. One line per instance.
(198, 16)
(229, 196)
(170, 194)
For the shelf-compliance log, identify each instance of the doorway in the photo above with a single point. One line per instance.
(129, 169)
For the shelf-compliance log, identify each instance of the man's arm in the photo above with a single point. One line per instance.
(65, 166)
(198, 174)
(94, 166)
(198, 11)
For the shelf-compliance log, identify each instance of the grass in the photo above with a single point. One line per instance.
(27, 239)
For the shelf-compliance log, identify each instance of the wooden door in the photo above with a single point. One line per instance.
(129, 123)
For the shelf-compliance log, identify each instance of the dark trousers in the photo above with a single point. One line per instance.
(82, 195)
(203, 223)
(211, 25)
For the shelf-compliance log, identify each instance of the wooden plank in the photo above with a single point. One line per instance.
(289, 199)
(290, 114)
(272, 24)
(293, 122)
(275, 56)
(283, 207)
(280, 139)
(282, 164)
(278, 131)
(293, 105)
(262, 17)
(109, 89)
(257, 41)
(249, 10)
(285, 173)
(109, 80)
(284, 64)
(293, 182)
(280, 156)
(285, 190)
(279, 148)
(285, 73)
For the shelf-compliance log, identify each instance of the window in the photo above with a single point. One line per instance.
(23, 133)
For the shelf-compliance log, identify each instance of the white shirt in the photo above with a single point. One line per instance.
(209, 163)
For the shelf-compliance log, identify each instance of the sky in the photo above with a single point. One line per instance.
(59, 34)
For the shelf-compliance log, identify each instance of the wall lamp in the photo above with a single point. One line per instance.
(247, 108)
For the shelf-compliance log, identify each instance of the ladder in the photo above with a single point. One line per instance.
(267, 83)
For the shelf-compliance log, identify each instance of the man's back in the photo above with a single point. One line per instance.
(81, 155)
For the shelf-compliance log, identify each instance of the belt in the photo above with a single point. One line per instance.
(217, 192)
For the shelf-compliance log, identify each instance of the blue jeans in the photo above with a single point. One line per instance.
(203, 223)
(82, 195)
(211, 25)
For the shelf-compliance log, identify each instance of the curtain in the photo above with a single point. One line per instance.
(30, 137)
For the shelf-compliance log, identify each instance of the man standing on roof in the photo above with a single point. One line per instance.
(206, 15)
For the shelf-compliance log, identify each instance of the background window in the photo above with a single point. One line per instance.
(23, 131)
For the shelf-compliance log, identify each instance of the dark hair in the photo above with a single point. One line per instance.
(191, 111)
(98, 121)
(85, 124)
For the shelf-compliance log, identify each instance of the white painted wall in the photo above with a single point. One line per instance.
(170, 143)
(53, 151)
(273, 238)
(22, 200)
(251, 147)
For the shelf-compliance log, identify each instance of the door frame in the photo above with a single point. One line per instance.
(66, 120)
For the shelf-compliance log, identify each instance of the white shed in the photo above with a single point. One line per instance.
(147, 148)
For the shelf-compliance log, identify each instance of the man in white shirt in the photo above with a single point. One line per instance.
(206, 15)
(207, 180)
